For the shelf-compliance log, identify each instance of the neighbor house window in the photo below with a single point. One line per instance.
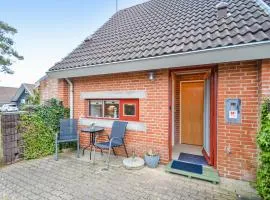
(22, 101)
(123, 109)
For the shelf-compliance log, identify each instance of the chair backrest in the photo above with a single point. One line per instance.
(118, 129)
(68, 129)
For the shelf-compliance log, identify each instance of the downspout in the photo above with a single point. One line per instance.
(71, 94)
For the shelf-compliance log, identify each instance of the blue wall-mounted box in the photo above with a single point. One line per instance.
(233, 111)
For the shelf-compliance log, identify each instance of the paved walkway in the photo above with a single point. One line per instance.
(71, 178)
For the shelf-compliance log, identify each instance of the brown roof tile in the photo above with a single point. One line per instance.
(160, 27)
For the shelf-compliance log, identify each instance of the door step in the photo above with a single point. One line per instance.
(192, 170)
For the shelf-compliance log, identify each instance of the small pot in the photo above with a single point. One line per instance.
(151, 161)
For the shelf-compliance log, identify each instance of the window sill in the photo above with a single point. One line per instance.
(107, 123)
(108, 118)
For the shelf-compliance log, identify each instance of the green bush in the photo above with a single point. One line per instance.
(263, 141)
(37, 136)
(52, 112)
(39, 128)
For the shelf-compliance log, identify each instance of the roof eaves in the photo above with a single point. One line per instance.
(37, 83)
(251, 51)
(264, 6)
(18, 93)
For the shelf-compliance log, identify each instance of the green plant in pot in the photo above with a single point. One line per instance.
(151, 159)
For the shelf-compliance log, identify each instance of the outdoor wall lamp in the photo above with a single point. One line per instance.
(151, 76)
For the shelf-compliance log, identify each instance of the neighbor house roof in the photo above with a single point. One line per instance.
(25, 86)
(6, 94)
(157, 28)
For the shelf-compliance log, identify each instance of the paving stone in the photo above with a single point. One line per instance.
(72, 178)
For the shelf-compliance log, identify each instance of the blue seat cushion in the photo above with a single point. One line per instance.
(106, 145)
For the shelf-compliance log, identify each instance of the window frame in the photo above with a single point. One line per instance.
(121, 115)
(127, 117)
(89, 108)
(113, 100)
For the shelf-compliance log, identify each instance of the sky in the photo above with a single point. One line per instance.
(50, 29)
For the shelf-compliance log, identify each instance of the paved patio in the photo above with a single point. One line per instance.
(72, 178)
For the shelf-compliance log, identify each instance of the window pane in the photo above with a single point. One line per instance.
(96, 109)
(129, 109)
(111, 109)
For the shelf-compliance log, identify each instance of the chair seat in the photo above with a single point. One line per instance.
(106, 145)
(67, 140)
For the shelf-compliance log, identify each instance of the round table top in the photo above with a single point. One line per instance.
(92, 129)
(133, 163)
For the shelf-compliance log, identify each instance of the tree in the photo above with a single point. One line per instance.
(34, 99)
(7, 53)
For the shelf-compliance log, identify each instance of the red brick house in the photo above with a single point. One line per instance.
(187, 75)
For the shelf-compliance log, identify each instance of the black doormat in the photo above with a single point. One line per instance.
(185, 166)
(195, 159)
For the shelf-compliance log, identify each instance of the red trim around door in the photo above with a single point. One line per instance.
(213, 118)
(170, 114)
(212, 158)
(207, 157)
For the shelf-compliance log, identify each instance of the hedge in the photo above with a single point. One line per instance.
(39, 127)
(263, 141)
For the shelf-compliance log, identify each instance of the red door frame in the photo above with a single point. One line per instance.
(212, 159)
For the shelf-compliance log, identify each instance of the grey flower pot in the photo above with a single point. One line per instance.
(151, 161)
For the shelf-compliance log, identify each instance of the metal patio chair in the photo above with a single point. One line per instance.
(115, 139)
(68, 133)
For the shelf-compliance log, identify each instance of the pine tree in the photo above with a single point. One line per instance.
(7, 53)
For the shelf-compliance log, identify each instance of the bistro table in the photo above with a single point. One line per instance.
(92, 131)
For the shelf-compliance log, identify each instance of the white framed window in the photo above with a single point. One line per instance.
(96, 108)
(22, 101)
(111, 109)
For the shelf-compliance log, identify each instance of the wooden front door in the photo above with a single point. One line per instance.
(191, 112)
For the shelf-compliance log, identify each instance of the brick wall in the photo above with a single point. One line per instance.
(177, 111)
(264, 79)
(63, 92)
(48, 89)
(238, 80)
(153, 110)
(249, 81)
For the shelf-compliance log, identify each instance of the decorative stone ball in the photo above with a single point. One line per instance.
(133, 163)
